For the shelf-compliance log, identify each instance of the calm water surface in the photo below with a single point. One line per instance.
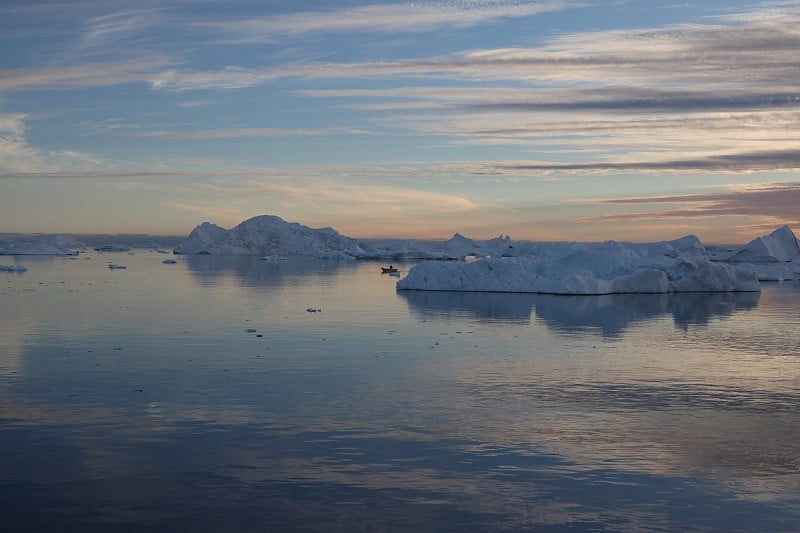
(138, 399)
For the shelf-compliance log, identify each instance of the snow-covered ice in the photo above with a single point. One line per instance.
(41, 245)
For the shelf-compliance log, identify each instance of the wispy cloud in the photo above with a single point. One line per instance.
(406, 17)
(234, 133)
(768, 205)
(767, 160)
(84, 74)
(119, 31)
(748, 53)
(18, 156)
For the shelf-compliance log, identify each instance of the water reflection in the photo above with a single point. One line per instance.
(609, 315)
(250, 271)
(136, 400)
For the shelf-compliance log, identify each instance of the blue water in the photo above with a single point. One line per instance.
(137, 399)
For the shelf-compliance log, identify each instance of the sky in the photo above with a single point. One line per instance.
(570, 120)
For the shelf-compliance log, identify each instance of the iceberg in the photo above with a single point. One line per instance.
(780, 246)
(682, 265)
(269, 235)
(773, 257)
(41, 245)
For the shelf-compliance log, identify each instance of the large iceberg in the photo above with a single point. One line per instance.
(268, 235)
(41, 245)
(573, 268)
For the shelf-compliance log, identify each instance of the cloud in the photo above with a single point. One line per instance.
(769, 205)
(416, 17)
(85, 74)
(235, 133)
(737, 54)
(352, 206)
(719, 97)
(767, 160)
(18, 156)
(110, 31)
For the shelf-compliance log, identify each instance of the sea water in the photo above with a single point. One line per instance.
(233, 394)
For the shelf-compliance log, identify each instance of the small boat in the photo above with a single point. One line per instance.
(388, 270)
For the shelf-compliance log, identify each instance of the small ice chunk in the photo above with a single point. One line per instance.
(13, 268)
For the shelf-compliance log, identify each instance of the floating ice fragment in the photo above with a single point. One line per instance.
(13, 268)
(112, 248)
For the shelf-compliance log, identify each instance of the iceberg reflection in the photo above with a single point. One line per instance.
(608, 314)
(251, 271)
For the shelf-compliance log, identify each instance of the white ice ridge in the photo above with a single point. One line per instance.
(573, 268)
(41, 245)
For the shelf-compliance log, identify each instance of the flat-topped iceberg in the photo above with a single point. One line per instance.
(268, 235)
(574, 268)
(41, 245)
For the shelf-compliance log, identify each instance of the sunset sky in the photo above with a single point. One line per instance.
(547, 120)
